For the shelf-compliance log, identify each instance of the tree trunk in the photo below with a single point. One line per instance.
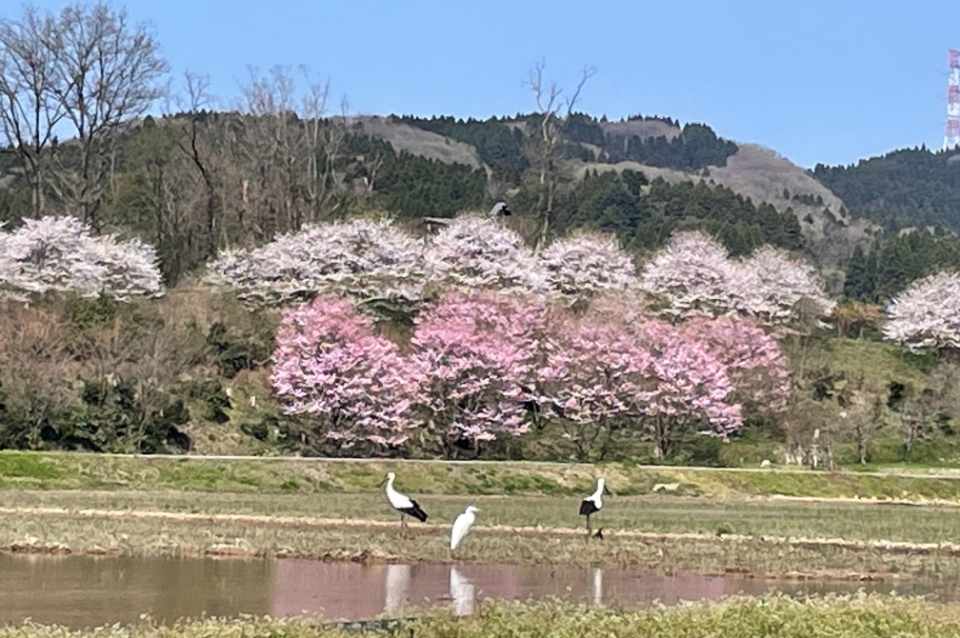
(861, 443)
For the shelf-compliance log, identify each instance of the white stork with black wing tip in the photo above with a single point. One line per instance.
(403, 503)
(593, 503)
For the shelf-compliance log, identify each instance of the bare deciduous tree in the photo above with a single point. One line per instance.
(29, 110)
(290, 157)
(269, 150)
(323, 143)
(554, 113)
(108, 71)
(863, 413)
(204, 150)
(915, 419)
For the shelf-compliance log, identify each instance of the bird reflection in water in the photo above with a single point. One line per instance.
(397, 584)
(597, 588)
(462, 592)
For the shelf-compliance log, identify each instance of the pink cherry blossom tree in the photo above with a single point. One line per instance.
(675, 386)
(360, 259)
(686, 388)
(474, 252)
(926, 316)
(60, 254)
(755, 364)
(593, 378)
(476, 355)
(582, 265)
(350, 383)
(689, 388)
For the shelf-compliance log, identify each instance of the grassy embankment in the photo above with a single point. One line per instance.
(852, 617)
(713, 522)
(72, 471)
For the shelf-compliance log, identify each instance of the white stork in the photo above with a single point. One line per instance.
(593, 503)
(403, 503)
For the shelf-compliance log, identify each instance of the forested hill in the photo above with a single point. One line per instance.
(198, 181)
(655, 148)
(905, 188)
(871, 227)
(174, 180)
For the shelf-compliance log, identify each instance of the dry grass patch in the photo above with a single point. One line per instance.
(642, 515)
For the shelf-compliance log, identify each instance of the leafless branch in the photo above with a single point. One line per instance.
(554, 114)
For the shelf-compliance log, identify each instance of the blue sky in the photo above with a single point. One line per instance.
(817, 81)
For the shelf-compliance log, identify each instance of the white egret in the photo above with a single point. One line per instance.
(593, 503)
(462, 525)
(403, 503)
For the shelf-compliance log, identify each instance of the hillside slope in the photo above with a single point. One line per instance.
(403, 137)
(764, 176)
(751, 171)
(414, 167)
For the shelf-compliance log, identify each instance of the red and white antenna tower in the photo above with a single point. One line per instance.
(951, 138)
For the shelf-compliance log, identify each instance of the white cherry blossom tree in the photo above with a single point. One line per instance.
(60, 254)
(926, 316)
(362, 259)
(691, 274)
(694, 276)
(771, 286)
(582, 265)
(474, 252)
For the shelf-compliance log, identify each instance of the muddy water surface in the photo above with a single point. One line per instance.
(82, 591)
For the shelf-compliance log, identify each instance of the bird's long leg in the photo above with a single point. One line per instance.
(403, 524)
(588, 526)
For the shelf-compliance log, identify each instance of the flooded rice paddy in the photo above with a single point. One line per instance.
(82, 591)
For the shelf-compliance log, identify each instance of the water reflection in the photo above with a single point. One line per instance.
(397, 584)
(80, 591)
(596, 580)
(462, 592)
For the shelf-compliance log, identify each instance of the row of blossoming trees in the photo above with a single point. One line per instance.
(485, 366)
(501, 340)
(504, 340)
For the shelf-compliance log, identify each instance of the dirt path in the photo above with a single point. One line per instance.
(882, 546)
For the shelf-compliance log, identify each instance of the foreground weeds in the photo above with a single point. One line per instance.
(849, 616)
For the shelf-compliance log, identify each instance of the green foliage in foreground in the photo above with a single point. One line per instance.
(741, 617)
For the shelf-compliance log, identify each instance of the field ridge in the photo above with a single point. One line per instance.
(879, 545)
(299, 475)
